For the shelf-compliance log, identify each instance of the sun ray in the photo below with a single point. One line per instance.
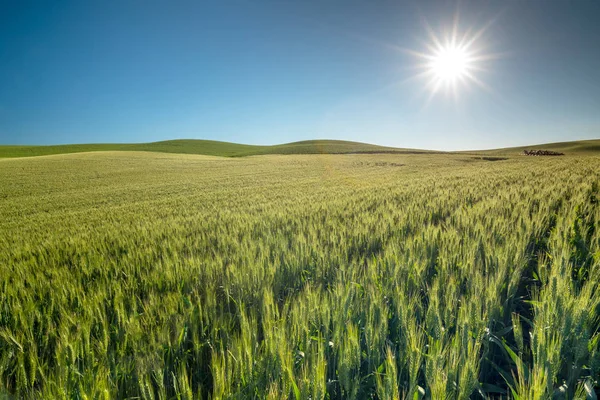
(454, 59)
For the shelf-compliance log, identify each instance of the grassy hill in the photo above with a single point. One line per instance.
(579, 147)
(31, 151)
(331, 147)
(204, 147)
(227, 149)
(207, 147)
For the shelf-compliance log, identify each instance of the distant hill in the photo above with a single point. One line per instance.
(204, 147)
(332, 147)
(208, 147)
(579, 147)
(226, 149)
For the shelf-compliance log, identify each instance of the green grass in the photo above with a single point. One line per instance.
(580, 147)
(388, 276)
(32, 151)
(206, 147)
(226, 149)
(333, 147)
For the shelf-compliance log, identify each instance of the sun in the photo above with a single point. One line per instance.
(450, 63)
(454, 60)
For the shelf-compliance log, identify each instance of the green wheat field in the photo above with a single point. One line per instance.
(156, 275)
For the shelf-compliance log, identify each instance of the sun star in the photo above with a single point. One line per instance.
(452, 60)
(450, 63)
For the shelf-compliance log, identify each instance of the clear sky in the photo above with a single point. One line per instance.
(273, 72)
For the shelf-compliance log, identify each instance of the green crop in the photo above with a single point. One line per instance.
(398, 276)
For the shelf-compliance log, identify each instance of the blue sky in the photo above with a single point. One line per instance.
(274, 72)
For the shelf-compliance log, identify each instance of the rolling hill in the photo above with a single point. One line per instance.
(204, 147)
(208, 147)
(579, 147)
(227, 149)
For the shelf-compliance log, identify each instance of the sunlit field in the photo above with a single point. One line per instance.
(166, 276)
